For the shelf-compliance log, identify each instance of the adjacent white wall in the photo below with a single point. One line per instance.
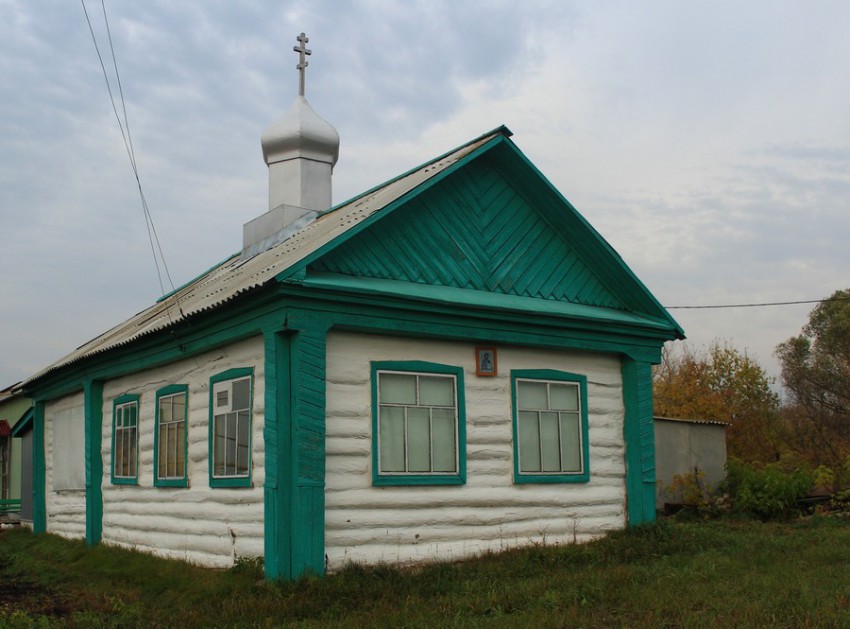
(406, 524)
(196, 523)
(64, 423)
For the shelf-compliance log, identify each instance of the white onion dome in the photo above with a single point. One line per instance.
(300, 133)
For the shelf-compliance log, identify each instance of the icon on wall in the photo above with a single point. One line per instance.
(485, 361)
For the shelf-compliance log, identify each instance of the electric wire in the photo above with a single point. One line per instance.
(759, 305)
(153, 237)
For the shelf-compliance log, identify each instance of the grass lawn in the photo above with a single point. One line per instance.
(669, 574)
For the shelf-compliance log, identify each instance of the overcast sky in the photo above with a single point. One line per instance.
(708, 142)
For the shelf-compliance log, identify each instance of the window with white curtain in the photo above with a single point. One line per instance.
(418, 423)
(550, 426)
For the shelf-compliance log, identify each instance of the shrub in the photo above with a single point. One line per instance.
(766, 493)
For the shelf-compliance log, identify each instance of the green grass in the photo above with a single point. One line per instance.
(669, 574)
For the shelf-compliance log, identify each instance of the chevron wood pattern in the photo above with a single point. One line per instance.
(474, 230)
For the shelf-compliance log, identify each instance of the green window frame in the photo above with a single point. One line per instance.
(125, 440)
(550, 428)
(418, 424)
(170, 441)
(231, 427)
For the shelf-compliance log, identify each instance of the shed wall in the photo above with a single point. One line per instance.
(208, 526)
(682, 446)
(407, 524)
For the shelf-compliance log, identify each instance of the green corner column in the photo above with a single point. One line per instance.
(294, 434)
(94, 460)
(639, 434)
(276, 496)
(39, 473)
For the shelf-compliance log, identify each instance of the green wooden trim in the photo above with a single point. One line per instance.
(39, 470)
(391, 207)
(125, 399)
(507, 305)
(171, 389)
(396, 315)
(640, 441)
(556, 376)
(234, 321)
(240, 481)
(502, 129)
(601, 252)
(277, 500)
(307, 403)
(457, 478)
(93, 400)
(24, 424)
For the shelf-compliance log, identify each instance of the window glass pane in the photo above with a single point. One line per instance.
(218, 445)
(418, 440)
(436, 391)
(570, 443)
(531, 395)
(119, 457)
(179, 410)
(241, 394)
(180, 470)
(529, 442)
(395, 388)
(230, 445)
(132, 409)
(165, 409)
(222, 396)
(391, 435)
(162, 465)
(131, 452)
(243, 438)
(563, 397)
(443, 437)
(550, 442)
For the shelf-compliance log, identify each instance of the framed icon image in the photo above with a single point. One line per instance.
(485, 361)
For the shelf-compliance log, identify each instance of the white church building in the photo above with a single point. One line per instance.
(452, 362)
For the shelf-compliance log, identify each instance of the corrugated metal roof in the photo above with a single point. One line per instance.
(237, 275)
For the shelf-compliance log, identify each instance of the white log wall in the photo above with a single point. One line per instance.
(414, 523)
(66, 508)
(196, 523)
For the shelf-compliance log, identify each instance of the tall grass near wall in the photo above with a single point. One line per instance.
(668, 574)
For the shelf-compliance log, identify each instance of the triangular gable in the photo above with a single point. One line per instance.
(474, 230)
(494, 224)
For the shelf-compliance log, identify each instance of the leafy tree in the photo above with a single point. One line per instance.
(816, 374)
(725, 385)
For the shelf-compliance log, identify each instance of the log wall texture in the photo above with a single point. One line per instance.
(406, 524)
(204, 525)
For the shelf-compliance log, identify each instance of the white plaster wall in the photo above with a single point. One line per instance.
(407, 524)
(66, 508)
(196, 523)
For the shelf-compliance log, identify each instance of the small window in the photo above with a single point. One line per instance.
(125, 440)
(230, 428)
(418, 424)
(550, 426)
(170, 437)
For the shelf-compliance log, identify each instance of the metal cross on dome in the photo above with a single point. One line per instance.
(302, 51)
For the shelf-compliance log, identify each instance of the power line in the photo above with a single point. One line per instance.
(153, 237)
(760, 305)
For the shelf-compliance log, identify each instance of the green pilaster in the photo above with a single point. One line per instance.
(307, 367)
(640, 441)
(94, 460)
(276, 492)
(39, 474)
(294, 435)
